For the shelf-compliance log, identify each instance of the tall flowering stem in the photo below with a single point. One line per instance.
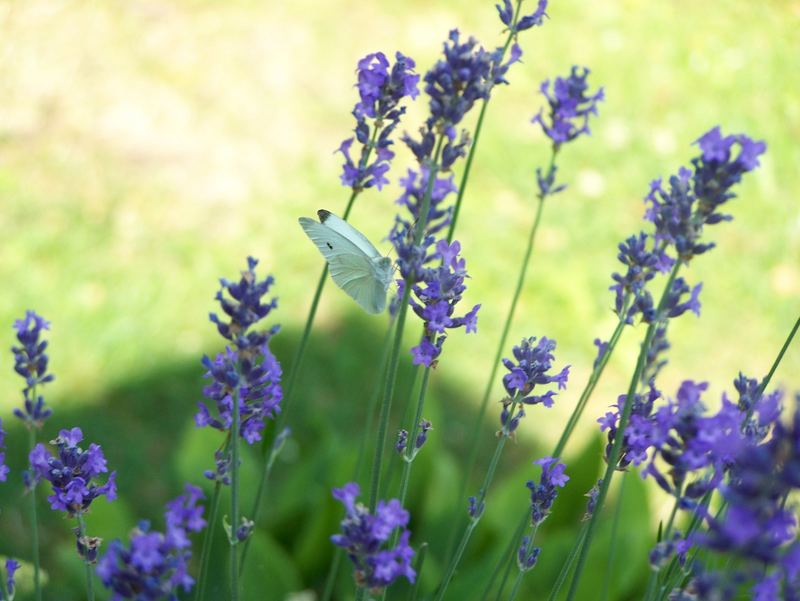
(510, 17)
(616, 448)
(31, 362)
(73, 472)
(244, 391)
(570, 107)
(530, 368)
(394, 357)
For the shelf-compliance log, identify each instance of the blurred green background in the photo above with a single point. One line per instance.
(147, 147)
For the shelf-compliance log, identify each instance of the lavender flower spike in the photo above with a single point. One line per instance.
(364, 535)
(72, 473)
(436, 301)
(249, 369)
(533, 362)
(544, 494)
(155, 564)
(380, 91)
(31, 362)
(571, 105)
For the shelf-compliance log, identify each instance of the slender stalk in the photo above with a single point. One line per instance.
(522, 572)
(34, 520)
(612, 546)
(473, 522)
(478, 126)
(696, 519)
(87, 565)
(583, 400)
(507, 552)
(205, 554)
(619, 437)
(391, 374)
(333, 570)
(411, 449)
(234, 437)
(360, 592)
(423, 548)
(565, 568)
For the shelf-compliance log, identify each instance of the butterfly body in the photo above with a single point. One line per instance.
(355, 264)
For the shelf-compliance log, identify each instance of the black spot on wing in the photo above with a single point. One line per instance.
(323, 215)
(329, 245)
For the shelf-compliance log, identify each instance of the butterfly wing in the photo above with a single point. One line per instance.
(350, 266)
(340, 226)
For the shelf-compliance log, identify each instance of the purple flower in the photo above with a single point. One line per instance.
(693, 197)
(30, 362)
(412, 256)
(72, 473)
(530, 368)
(527, 554)
(465, 75)
(544, 493)
(571, 105)
(506, 12)
(249, 369)
(12, 565)
(434, 300)
(364, 536)
(631, 296)
(424, 427)
(380, 90)
(591, 504)
(155, 563)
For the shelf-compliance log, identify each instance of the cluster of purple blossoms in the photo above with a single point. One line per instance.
(633, 450)
(30, 362)
(435, 302)
(680, 212)
(364, 535)
(530, 368)
(571, 105)
(72, 473)
(544, 493)
(401, 445)
(758, 526)
(466, 74)
(155, 564)
(506, 13)
(249, 369)
(380, 90)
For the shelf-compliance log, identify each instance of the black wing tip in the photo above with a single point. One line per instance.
(323, 215)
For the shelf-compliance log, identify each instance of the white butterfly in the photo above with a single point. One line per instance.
(355, 264)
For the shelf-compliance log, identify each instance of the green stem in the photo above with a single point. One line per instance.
(360, 592)
(478, 424)
(394, 358)
(87, 565)
(423, 548)
(507, 552)
(478, 126)
(333, 570)
(521, 573)
(34, 520)
(205, 554)
(411, 449)
(594, 377)
(567, 565)
(454, 561)
(619, 436)
(234, 524)
(612, 545)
